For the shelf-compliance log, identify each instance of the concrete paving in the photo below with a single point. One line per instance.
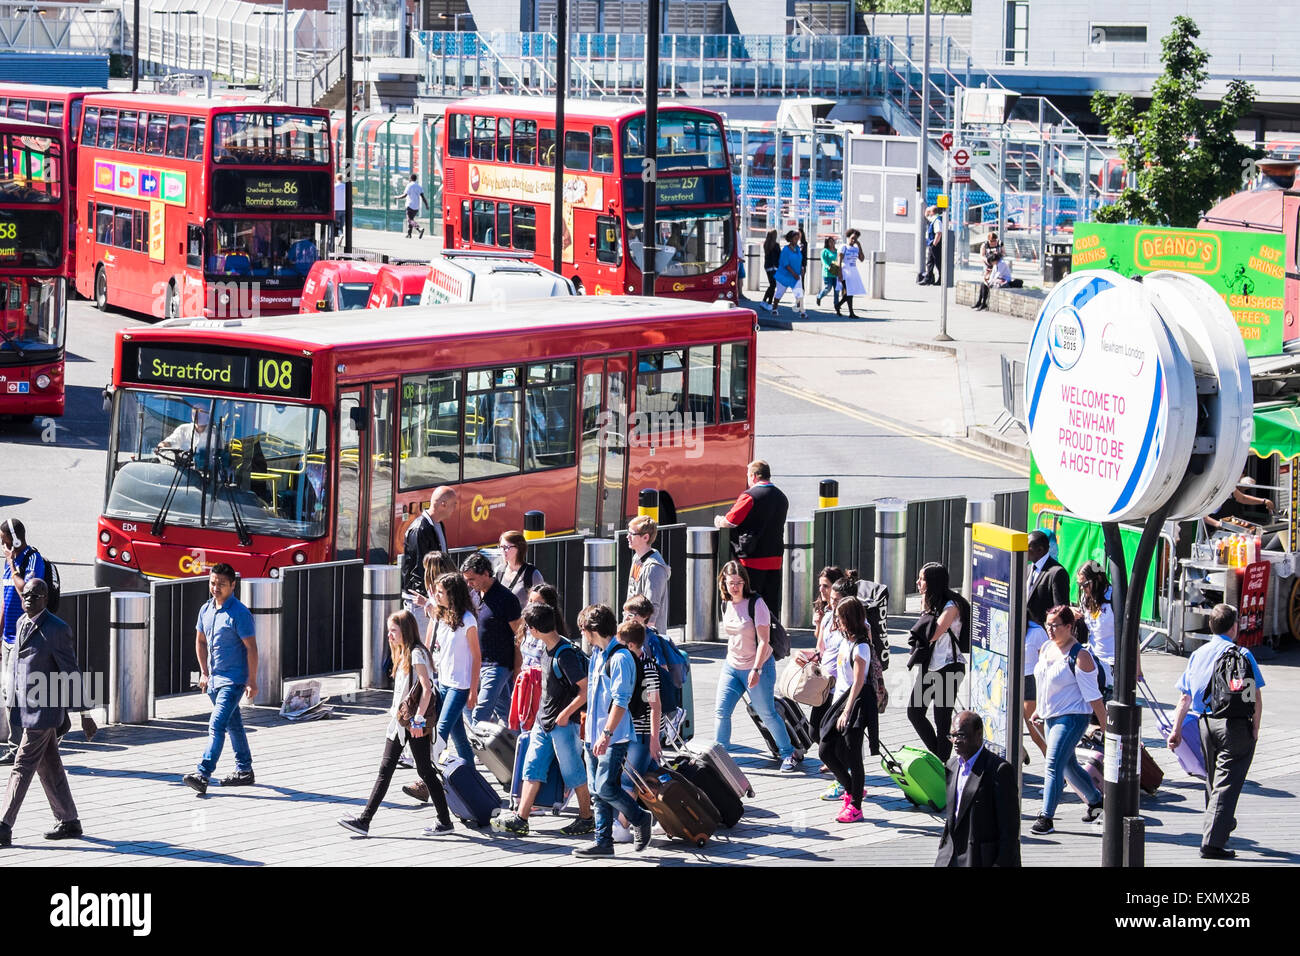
(137, 812)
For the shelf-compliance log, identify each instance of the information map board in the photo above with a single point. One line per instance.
(997, 636)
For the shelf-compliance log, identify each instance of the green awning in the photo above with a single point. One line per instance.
(1277, 432)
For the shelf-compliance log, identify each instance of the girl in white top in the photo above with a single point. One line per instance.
(827, 642)
(1068, 696)
(939, 678)
(410, 664)
(854, 710)
(453, 631)
(1094, 596)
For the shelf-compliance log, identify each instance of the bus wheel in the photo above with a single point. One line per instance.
(101, 290)
(172, 306)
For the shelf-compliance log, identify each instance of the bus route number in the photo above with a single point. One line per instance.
(8, 230)
(274, 375)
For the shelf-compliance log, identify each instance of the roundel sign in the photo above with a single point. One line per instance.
(961, 157)
(1110, 398)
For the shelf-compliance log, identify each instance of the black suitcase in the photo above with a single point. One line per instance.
(494, 744)
(720, 793)
(469, 796)
(796, 725)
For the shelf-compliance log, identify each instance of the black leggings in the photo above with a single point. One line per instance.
(842, 754)
(423, 765)
(771, 286)
(940, 689)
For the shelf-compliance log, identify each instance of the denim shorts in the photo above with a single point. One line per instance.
(561, 743)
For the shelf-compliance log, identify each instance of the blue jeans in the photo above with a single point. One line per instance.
(226, 719)
(494, 690)
(604, 774)
(451, 722)
(561, 745)
(732, 685)
(1063, 735)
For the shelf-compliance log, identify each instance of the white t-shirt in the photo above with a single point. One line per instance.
(1062, 691)
(945, 648)
(742, 638)
(1101, 633)
(453, 652)
(401, 687)
(340, 197)
(1035, 638)
(413, 193)
(831, 652)
(844, 656)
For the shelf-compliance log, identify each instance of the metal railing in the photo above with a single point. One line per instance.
(61, 27)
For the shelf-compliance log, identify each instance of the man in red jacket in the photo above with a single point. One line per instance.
(758, 539)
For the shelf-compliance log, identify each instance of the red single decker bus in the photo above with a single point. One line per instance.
(271, 442)
(58, 106)
(201, 207)
(499, 156)
(33, 288)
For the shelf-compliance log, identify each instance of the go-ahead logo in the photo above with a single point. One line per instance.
(1065, 338)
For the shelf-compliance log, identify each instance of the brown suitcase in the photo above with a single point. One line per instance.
(681, 808)
(1151, 775)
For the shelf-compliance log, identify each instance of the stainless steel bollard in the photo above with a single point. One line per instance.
(891, 551)
(381, 595)
(598, 577)
(264, 598)
(796, 574)
(128, 658)
(977, 512)
(701, 584)
(877, 275)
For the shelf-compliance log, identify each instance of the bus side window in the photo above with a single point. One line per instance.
(482, 231)
(733, 386)
(126, 131)
(90, 131)
(458, 136)
(194, 150)
(550, 434)
(546, 147)
(577, 150)
(156, 139)
(659, 386)
(700, 369)
(430, 430)
(491, 423)
(194, 247)
(504, 153)
(524, 227)
(503, 225)
(609, 248)
(602, 150)
(177, 128)
(465, 221)
(525, 142)
(485, 137)
(107, 130)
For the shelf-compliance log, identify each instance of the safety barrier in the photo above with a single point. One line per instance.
(935, 533)
(845, 536)
(1011, 509)
(87, 613)
(173, 614)
(321, 626)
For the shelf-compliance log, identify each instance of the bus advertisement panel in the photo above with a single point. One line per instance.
(278, 442)
(200, 207)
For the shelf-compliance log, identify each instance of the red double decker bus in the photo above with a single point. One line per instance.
(499, 155)
(33, 288)
(209, 207)
(273, 442)
(58, 106)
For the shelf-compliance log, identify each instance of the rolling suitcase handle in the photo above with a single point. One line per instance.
(1166, 725)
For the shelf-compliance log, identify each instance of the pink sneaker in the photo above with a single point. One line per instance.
(850, 814)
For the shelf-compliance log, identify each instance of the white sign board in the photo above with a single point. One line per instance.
(1111, 399)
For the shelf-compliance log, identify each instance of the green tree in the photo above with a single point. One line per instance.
(1183, 150)
(913, 6)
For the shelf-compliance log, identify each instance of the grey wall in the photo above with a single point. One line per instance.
(761, 16)
(506, 15)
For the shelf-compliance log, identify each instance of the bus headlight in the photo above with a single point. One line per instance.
(224, 298)
(126, 557)
(105, 537)
(42, 381)
(112, 552)
(299, 557)
(274, 572)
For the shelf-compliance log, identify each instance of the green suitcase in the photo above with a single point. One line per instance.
(920, 774)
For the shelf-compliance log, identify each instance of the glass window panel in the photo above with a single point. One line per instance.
(551, 435)
(734, 383)
(485, 137)
(491, 434)
(104, 224)
(503, 224)
(503, 141)
(577, 150)
(523, 224)
(194, 149)
(546, 147)
(483, 228)
(699, 374)
(602, 150)
(126, 130)
(107, 130)
(458, 136)
(90, 126)
(430, 430)
(38, 111)
(156, 140)
(525, 142)
(659, 386)
(177, 131)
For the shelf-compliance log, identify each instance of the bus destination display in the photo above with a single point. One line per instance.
(298, 193)
(31, 238)
(260, 373)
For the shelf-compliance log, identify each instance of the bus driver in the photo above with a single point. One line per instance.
(191, 437)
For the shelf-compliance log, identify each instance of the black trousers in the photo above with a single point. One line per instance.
(937, 689)
(934, 262)
(1229, 747)
(982, 300)
(771, 286)
(841, 751)
(423, 765)
(767, 585)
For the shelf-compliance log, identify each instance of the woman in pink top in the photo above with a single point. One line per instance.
(749, 666)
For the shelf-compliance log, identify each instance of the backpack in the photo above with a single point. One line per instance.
(963, 610)
(874, 599)
(50, 577)
(1231, 691)
(1103, 684)
(776, 634)
(637, 706)
(667, 659)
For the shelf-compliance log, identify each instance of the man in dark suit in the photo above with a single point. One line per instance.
(1048, 583)
(427, 533)
(981, 824)
(47, 684)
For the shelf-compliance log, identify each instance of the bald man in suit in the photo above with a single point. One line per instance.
(981, 824)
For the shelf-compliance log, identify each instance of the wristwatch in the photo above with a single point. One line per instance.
(605, 733)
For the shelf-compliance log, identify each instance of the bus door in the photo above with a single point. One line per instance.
(364, 526)
(602, 460)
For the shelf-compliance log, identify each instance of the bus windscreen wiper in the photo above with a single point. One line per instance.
(14, 342)
(181, 464)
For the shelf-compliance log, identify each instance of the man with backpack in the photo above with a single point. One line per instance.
(554, 735)
(1222, 684)
(21, 563)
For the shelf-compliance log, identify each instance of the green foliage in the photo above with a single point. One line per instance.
(913, 6)
(1183, 150)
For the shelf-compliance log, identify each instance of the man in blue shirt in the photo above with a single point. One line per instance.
(21, 562)
(227, 650)
(609, 729)
(1228, 743)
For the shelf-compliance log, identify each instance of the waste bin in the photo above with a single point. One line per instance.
(878, 274)
(1056, 264)
(754, 274)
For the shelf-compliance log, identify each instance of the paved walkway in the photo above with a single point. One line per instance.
(137, 812)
